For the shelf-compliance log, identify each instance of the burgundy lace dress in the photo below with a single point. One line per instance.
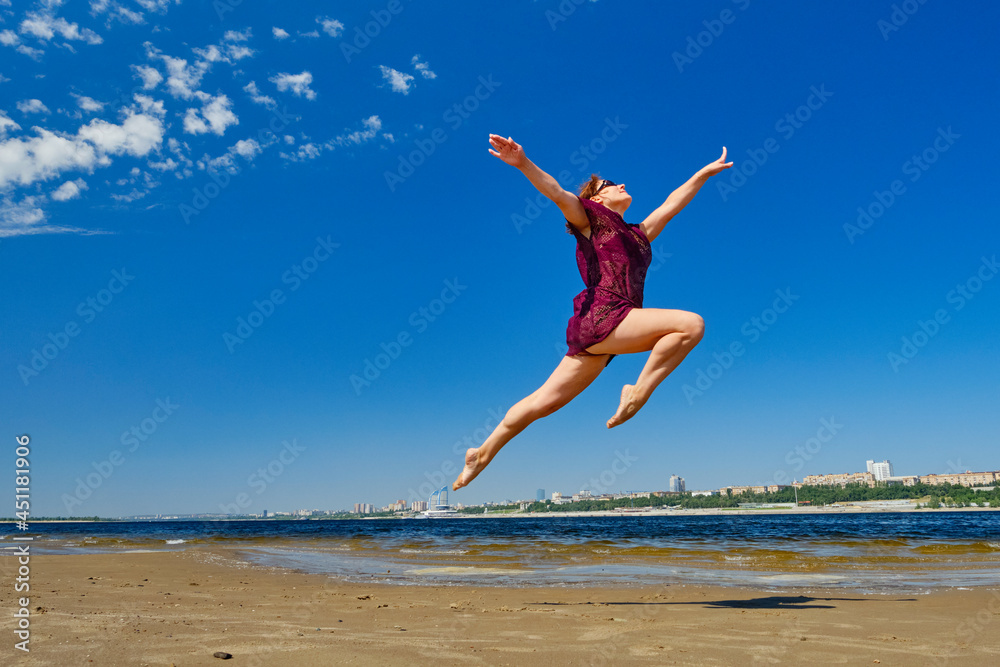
(613, 264)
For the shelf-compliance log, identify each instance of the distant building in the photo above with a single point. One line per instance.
(967, 478)
(704, 493)
(540, 495)
(880, 469)
(676, 484)
(740, 490)
(843, 479)
(419, 506)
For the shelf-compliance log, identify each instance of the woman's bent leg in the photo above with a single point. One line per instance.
(571, 376)
(669, 335)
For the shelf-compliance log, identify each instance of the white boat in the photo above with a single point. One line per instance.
(439, 512)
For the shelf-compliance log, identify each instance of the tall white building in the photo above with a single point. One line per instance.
(676, 484)
(881, 470)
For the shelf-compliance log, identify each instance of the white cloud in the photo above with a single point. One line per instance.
(45, 27)
(330, 26)
(226, 53)
(182, 79)
(247, 148)
(181, 166)
(279, 33)
(116, 12)
(311, 33)
(310, 151)
(69, 190)
(423, 68)
(214, 116)
(32, 106)
(7, 124)
(235, 36)
(88, 103)
(399, 81)
(25, 160)
(372, 125)
(9, 38)
(297, 83)
(258, 97)
(25, 217)
(150, 76)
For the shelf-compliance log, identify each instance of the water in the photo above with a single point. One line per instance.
(884, 551)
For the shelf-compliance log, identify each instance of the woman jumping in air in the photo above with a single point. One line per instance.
(608, 317)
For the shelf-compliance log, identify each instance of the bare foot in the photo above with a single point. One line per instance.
(626, 409)
(473, 466)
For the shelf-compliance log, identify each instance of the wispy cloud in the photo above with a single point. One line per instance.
(400, 81)
(423, 68)
(297, 83)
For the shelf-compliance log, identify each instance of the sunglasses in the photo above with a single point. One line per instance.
(601, 185)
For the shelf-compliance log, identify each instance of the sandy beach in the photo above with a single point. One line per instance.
(182, 607)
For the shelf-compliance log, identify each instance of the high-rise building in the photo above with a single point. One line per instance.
(880, 469)
(676, 484)
(540, 495)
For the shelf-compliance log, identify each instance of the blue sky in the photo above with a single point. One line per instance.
(151, 198)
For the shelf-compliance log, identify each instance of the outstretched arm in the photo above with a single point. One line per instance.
(679, 198)
(513, 154)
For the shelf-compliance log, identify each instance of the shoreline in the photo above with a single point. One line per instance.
(850, 506)
(180, 607)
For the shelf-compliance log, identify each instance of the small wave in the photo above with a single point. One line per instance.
(176, 541)
(966, 548)
(457, 552)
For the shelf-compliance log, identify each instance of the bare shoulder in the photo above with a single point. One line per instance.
(573, 210)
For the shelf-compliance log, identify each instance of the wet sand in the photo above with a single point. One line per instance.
(181, 607)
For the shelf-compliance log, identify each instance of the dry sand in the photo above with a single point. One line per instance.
(181, 607)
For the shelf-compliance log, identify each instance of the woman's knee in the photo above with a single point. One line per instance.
(696, 328)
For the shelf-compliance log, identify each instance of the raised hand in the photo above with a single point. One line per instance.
(713, 168)
(507, 150)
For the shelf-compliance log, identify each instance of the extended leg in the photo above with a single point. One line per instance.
(669, 335)
(571, 376)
